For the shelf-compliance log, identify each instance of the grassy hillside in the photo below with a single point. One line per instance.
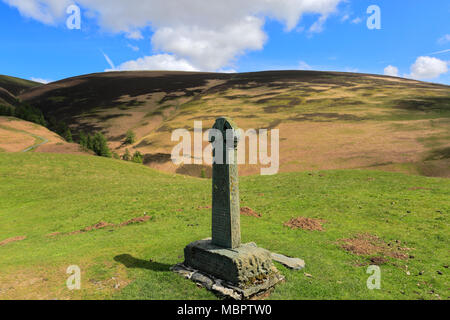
(11, 87)
(17, 135)
(46, 198)
(327, 120)
(16, 85)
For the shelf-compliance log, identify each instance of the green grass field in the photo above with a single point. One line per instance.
(41, 194)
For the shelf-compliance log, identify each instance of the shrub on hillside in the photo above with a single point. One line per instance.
(6, 111)
(83, 140)
(24, 112)
(100, 145)
(96, 143)
(68, 135)
(130, 137)
(138, 157)
(126, 156)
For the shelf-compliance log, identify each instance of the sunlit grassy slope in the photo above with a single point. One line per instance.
(327, 120)
(18, 135)
(41, 194)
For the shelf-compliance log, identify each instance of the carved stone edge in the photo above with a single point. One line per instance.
(224, 289)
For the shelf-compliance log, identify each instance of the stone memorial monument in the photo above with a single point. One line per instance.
(222, 263)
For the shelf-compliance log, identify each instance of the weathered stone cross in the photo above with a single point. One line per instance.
(222, 263)
(226, 230)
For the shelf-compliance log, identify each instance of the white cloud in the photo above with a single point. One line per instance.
(445, 39)
(345, 17)
(357, 20)
(134, 48)
(211, 49)
(302, 65)
(210, 35)
(156, 62)
(110, 62)
(428, 68)
(134, 35)
(391, 71)
(440, 52)
(45, 11)
(40, 80)
(318, 26)
(227, 71)
(351, 69)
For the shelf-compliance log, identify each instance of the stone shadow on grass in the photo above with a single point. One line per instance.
(132, 262)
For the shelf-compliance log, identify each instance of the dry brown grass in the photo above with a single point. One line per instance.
(10, 240)
(17, 135)
(367, 244)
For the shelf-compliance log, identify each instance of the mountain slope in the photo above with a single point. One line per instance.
(17, 135)
(327, 120)
(10, 87)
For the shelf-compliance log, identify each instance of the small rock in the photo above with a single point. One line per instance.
(439, 272)
(446, 266)
(408, 273)
(117, 286)
(421, 272)
(226, 292)
(187, 274)
(292, 263)
(203, 280)
(308, 275)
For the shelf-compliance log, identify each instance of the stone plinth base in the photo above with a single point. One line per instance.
(246, 270)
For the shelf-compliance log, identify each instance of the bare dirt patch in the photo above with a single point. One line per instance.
(306, 224)
(246, 211)
(102, 225)
(418, 188)
(378, 260)
(10, 240)
(97, 226)
(366, 245)
(135, 220)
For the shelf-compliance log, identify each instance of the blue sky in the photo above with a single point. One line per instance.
(414, 39)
